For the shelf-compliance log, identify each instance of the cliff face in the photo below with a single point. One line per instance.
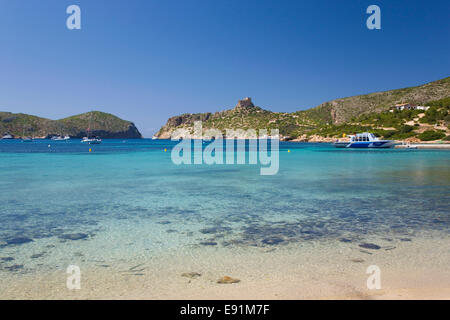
(246, 115)
(103, 125)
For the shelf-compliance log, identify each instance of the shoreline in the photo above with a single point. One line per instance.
(419, 145)
(403, 145)
(435, 146)
(414, 270)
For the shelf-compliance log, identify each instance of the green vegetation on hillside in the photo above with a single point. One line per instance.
(439, 112)
(430, 135)
(388, 119)
(96, 120)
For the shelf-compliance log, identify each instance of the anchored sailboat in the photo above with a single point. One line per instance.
(25, 139)
(89, 139)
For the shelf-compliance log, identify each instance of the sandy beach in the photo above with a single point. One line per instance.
(413, 270)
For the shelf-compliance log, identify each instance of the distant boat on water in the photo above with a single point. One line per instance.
(95, 140)
(7, 136)
(60, 138)
(88, 139)
(364, 140)
(25, 138)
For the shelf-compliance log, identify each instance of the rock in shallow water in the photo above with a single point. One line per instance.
(191, 275)
(370, 246)
(214, 230)
(228, 280)
(74, 236)
(6, 259)
(13, 268)
(208, 243)
(37, 255)
(19, 240)
(273, 241)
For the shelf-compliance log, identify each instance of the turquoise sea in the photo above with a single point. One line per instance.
(126, 200)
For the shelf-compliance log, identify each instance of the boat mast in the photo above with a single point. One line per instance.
(89, 127)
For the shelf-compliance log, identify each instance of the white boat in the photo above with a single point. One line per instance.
(410, 146)
(59, 138)
(7, 136)
(88, 139)
(154, 138)
(95, 140)
(364, 140)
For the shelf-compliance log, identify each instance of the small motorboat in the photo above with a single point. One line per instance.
(59, 138)
(364, 140)
(95, 140)
(27, 139)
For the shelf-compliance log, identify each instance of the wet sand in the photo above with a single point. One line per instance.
(328, 270)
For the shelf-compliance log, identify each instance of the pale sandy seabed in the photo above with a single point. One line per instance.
(313, 270)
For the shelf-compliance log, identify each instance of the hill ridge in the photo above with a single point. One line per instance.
(298, 124)
(102, 124)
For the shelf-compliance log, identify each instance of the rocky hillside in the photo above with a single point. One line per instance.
(245, 115)
(104, 125)
(342, 110)
(302, 125)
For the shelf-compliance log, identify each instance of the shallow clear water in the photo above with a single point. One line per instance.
(127, 200)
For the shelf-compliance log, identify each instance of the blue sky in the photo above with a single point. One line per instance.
(148, 60)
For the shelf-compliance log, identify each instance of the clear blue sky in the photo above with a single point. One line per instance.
(148, 60)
